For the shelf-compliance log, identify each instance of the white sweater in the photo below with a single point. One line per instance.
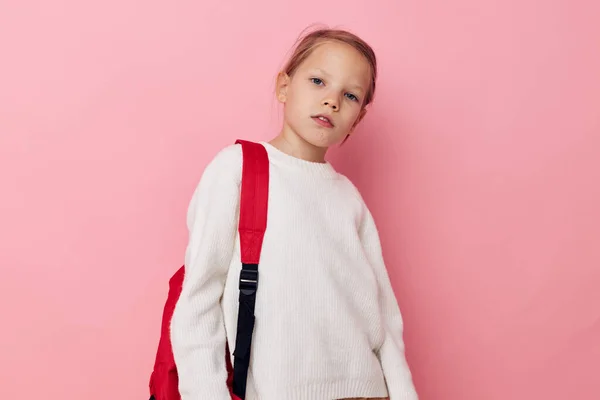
(327, 322)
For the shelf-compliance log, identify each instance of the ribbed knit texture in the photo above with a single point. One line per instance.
(327, 323)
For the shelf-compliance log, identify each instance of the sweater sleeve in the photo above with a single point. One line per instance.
(197, 327)
(391, 354)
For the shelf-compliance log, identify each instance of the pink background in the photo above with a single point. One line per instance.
(480, 160)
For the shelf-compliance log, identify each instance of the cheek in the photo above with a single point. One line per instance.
(293, 109)
(302, 96)
(298, 101)
(353, 115)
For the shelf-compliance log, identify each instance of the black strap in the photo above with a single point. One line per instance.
(245, 327)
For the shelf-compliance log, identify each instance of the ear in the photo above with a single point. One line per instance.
(283, 83)
(361, 115)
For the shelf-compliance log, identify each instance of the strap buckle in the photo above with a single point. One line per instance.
(248, 281)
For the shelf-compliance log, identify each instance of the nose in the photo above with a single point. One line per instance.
(330, 102)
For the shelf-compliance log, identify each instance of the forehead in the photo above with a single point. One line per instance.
(339, 60)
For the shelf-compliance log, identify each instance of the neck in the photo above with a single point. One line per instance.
(293, 145)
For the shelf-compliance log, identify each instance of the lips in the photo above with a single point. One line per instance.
(323, 120)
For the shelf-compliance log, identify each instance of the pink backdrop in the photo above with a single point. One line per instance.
(480, 161)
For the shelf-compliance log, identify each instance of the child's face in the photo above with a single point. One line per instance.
(332, 82)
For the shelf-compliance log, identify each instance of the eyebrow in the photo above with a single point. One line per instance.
(354, 86)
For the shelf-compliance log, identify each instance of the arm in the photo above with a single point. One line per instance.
(197, 327)
(391, 354)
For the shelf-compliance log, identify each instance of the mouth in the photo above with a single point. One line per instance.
(323, 120)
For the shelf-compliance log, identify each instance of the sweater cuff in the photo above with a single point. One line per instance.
(397, 372)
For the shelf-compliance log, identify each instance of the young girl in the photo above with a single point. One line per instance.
(328, 325)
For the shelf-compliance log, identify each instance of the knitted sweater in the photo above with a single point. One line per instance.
(327, 322)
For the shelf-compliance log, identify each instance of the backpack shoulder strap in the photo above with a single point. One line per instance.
(253, 200)
(252, 226)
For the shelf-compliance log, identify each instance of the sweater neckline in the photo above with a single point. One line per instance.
(317, 169)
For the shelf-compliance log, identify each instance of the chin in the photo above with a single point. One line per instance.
(321, 139)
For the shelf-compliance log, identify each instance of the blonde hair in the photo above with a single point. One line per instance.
(310, 41)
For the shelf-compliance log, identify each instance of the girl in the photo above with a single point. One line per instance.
(328, 324)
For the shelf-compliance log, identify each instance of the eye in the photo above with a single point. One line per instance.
(351, 97)
(317, 81)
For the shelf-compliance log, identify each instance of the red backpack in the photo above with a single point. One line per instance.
(252, 225)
